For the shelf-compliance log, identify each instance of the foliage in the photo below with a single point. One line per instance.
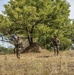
(72, 31)
(65, 43)
(28, 14)
(4, 24)
(38, 19)
(6, 50)
(57, 23)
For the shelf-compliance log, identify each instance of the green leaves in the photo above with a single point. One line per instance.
(36, 18)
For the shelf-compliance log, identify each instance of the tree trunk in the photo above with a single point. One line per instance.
(30, 39)
(29, 35)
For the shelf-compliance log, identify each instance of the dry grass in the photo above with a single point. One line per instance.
(38, 64)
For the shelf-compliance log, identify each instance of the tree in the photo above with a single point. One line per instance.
(58, 23)
(38, 18)
(28, 14)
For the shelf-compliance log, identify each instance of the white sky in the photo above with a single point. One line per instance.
(2, 2)
(70, 1)
(71, 8)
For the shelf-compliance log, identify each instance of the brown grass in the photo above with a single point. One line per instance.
(38, 64)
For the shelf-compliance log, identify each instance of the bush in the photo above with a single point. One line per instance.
(47, 42)
(65, 43)
(6, 50)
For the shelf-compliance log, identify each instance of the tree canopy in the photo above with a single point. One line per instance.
(39, 19)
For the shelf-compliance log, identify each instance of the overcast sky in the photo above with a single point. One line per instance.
(71, 8)
(2, 2)
(70, 1)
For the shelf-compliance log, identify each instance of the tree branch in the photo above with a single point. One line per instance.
(35, 25)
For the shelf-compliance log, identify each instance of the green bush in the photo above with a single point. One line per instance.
(45, 42)
(6, 50)
(65, 43)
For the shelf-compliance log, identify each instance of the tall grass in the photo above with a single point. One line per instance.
(37, 64)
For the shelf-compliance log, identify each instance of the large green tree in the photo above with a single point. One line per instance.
(28, 14)
(39, 19)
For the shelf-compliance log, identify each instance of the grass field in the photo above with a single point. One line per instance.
(38, 64)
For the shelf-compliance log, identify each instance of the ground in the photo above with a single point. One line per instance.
(38, 64)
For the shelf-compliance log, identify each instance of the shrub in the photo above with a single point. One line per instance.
(65, 43)
(6, 50)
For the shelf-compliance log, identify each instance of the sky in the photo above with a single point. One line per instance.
(2, 2)
(71, 8)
